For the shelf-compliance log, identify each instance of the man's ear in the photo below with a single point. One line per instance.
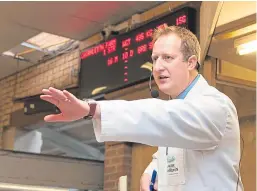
(192, 62)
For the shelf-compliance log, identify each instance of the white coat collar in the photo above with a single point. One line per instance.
(198, 88)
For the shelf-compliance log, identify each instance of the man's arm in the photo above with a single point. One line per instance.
(198, 124)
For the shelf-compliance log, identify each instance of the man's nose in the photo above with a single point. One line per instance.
(158, 65)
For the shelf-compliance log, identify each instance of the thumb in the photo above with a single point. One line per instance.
(156, 184)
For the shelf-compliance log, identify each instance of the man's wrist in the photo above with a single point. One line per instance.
(97, 112)
(92, 108)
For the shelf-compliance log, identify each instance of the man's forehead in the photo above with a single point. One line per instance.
(167, 43)
(169, 39)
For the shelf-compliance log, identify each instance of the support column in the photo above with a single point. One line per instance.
(8, 138)
(117, 163)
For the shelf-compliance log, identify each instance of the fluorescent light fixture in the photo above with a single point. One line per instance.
(28, 187)
(11, 54)
(8, 53)
(246, 45)
(31, 46)
(47, 40)
(247, 48)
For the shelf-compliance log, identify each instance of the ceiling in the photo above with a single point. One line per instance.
(20, 21)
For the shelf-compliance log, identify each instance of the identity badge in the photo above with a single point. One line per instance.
(175, 169)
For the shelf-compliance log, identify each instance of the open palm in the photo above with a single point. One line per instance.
(71, 107)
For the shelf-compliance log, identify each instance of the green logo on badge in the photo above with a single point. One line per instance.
(171, 159)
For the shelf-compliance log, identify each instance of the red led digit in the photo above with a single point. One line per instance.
(150, 45)
(109, 61)
(126, 42)
(125, 55)
(111, 46)
(181, 20)
(116, 59)
(101, 47)
(111, 42)
(149, 33)
(131, 53)
(141, 49)
(111, 49)
(140, 37)
(83, 55)
(104, 52)
(93, 51)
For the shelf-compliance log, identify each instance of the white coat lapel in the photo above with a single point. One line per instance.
(198, 88)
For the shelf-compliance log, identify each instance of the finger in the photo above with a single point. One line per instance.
(50, 99)
(58, 94)
(46, 92)
(54, 118)
(156, 185)
(70, 96)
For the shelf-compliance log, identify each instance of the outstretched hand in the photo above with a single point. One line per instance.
(71, 107)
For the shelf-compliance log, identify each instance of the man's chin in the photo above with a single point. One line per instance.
(164, 88)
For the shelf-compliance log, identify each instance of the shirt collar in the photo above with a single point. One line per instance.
(183, 94)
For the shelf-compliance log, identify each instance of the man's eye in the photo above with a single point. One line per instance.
(155, 58)
(168, 58)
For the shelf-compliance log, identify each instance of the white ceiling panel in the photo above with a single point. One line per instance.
(12, 34)
(67, 26)
(9, 64)
(24, 9)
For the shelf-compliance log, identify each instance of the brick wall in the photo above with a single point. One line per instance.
(58, 72)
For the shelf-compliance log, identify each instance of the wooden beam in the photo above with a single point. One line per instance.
(209, 14)
(141, 157)
(235, 82)
(236, 75)
(210, 70)
(8, 138)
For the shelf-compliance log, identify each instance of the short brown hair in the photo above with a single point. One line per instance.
(189, 42)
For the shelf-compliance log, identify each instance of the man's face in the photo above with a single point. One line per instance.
(170, 71)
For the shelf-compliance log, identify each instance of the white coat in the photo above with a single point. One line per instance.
(201, 131)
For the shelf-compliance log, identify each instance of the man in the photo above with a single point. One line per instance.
(197, 131)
